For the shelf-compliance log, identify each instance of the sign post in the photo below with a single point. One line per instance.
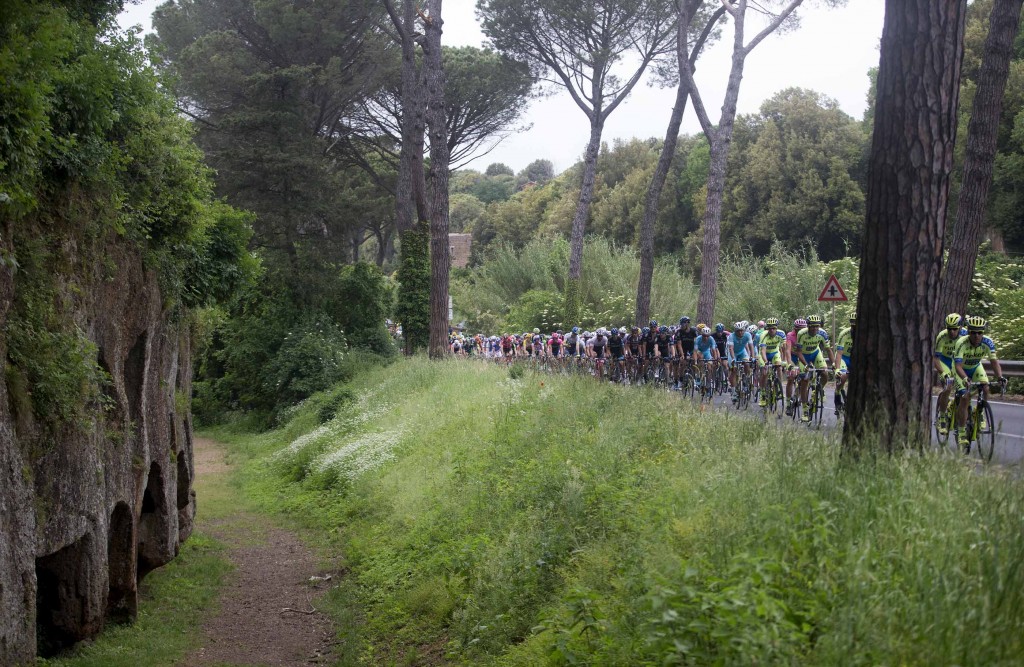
(832, 292)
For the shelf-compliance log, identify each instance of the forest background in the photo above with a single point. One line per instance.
(297, 109)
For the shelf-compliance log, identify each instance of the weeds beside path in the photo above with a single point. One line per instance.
(267, 613)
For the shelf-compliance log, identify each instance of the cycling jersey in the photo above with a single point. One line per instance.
(720, 338)
(771, 343)
(633, 341)
(794, 352)
(971, 356)
(739, 345)
(686, 338)
(598, 344)
(810, 344)
(705, 345)
(945, 345)
(616, 346)
(663, 342)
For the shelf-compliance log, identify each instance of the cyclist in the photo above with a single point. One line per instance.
(572, 342)
(555, 343)
(706, 351)
(617, 348)
(771, 349)
(970, 351)
(811, 341)
(538, 342)
(945, 346)
(597, 346)
(685, 337)
(662, 348)
(796, 366)
(721, 337)
(841, 361)
(740, 348)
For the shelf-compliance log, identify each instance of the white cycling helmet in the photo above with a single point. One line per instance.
(706, 331)
(752, 328)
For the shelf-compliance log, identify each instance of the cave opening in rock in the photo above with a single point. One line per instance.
(60, 605)
(151, 523)
(121, 597)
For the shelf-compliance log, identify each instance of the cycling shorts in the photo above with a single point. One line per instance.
(816, 361)
(976, 374)
(947, 373)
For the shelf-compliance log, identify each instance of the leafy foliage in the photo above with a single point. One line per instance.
(96, 160)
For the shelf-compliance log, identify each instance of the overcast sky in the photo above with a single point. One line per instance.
(830, 52)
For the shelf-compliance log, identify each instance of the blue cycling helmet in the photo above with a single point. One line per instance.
(719, 327)
(645, 331)
(663, 329)
(684, 319)
(575, 330)
(654, 324)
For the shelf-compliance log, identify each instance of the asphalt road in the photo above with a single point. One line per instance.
(1009, 449)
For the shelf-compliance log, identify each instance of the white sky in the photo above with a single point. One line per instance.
(830, 52)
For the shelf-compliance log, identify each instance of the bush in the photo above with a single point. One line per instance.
(309, 360)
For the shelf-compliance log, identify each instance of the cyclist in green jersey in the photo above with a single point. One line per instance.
(970, 351)
(945, 346)
(841, 361)
(771, 350)
(811, 343)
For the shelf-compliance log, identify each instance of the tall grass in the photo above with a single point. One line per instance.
(785, 283)
(548, 520)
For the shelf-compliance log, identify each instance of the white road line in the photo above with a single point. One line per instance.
(1009, 435)
(1018, 405)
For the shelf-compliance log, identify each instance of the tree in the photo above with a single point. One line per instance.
(440, 263)
(538, 171)
(686, 17)
(720, 137)
(579, 44)
(795, 176)
(982, 137)
(498, 169)
(908, 187)
(463, 212)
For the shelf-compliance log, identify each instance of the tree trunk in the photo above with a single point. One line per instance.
(410, 201)
(440, 263)
(911, 157)
(720, 141)
(982, 134)
(579, 221)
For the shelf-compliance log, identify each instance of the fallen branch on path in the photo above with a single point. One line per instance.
(312, 610)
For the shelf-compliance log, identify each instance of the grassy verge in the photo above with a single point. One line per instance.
(173, 601)
(544, 520)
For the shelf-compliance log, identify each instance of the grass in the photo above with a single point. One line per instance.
(545, 520)
(174, 600)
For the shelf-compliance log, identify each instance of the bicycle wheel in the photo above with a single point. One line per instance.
(986, 435)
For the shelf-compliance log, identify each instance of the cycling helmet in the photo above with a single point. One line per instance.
(799, 323)
(654, 324)
(953, 321)
(645, 331)
(663, 329)
(559, 332)
(684, 319)
(760, 324)
(705, 331)
(814, 320)
(622, 330)
(976, 323)
(744, 324)
(771, 322)
(738, 326)
(701, 326)
(751, 328)
(575, 330)
(719, 327)
(536, 330)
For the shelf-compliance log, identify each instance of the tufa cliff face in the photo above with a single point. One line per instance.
(88, 507)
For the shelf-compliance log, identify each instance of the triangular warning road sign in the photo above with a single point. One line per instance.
(832, 291)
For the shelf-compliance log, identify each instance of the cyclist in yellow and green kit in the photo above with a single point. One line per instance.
(945, 345)
(970, 351)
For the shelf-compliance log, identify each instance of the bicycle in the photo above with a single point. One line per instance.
(744, 384)
(816, 396)
(980, 426)
(774, 396)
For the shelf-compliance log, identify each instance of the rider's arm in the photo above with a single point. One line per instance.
(958, 365)
(998, 370)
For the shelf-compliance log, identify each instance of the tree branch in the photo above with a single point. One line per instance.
(770, 28)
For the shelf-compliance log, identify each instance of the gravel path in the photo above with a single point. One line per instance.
(267, 610)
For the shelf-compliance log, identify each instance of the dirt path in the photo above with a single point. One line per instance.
(273, 571)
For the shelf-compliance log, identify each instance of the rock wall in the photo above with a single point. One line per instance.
(86, 510)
